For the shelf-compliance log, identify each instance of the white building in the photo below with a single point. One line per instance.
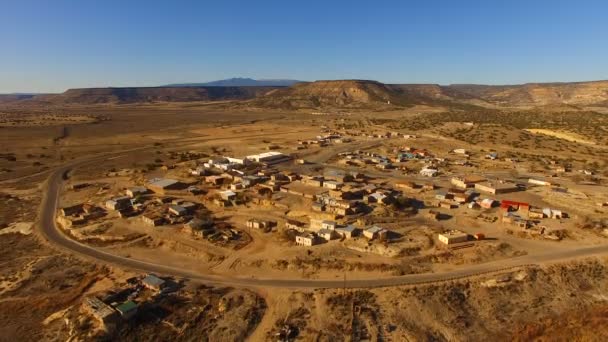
(428, 172)
(272, 157)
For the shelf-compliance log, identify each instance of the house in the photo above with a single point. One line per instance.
(316, 206)
(307, 240)
(199, 171)
(100, 310)
(515, 219)
(153, 282)
(333, 185)
(227, 195)
(260, 224)
(429, 172)
(467, 181)
(496, 188)
(474, 205)
(442, 195)
(241, 161)
(406, 185)
(380, 198)
(462, 198)
(452, 237)
(326, 224)
(553, 213)
(160, 185)
(293, 224)
(487, 203)
(136, 191)
(537, 181)
(72, 210)
(374, 232)
(152, 219)
(313, 181)
(178, 210)
(348, 231)
(127, 309)
(327, 234)
(446, 205)
(492, 156)
(197, 224)
(118, 203)
(194, 190)
(535, 213)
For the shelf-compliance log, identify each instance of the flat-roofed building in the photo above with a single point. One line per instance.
(178, 210)
(496, 188)
(374, 232)
(100, 310)
(118, 203)
(466, 181)
(307, 240)
(160, 185)
(153, 282)
(272, 157)
(538, 181)
(348, 231)
(136, 191)
(127, 309)
(452, 237)
(152, 219)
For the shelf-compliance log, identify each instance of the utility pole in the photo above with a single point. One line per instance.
(344, 286)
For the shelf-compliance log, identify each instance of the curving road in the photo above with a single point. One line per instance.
(55, 236)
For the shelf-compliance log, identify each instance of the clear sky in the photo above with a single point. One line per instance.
(48, 46)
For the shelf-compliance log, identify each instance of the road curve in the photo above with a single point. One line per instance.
(48, 228)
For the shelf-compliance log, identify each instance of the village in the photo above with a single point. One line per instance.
(375, 200)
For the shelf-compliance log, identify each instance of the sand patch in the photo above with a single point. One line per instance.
(561, 135)
(24, 228)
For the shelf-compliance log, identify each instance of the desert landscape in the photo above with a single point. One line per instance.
(323, 171)
(332, 210)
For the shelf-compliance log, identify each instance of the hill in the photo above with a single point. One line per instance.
(87, 96)
(360, 94)
(346, 94)
(239, 82)
(539, 94)
(372, 94)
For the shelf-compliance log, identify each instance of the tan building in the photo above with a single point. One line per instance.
(307, 240)
(152, 220)
(467, 181)
(452, 237)
(496, 188)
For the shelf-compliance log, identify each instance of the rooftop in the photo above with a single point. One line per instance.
(153, 280)
(126, 306)
(163, 182)
(375, 229)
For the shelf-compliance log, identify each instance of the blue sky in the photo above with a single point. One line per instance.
(49, 46)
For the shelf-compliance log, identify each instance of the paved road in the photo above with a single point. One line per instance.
(55, 236)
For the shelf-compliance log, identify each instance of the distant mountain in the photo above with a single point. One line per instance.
(239, 82)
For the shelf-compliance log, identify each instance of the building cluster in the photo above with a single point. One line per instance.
(117, 306)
